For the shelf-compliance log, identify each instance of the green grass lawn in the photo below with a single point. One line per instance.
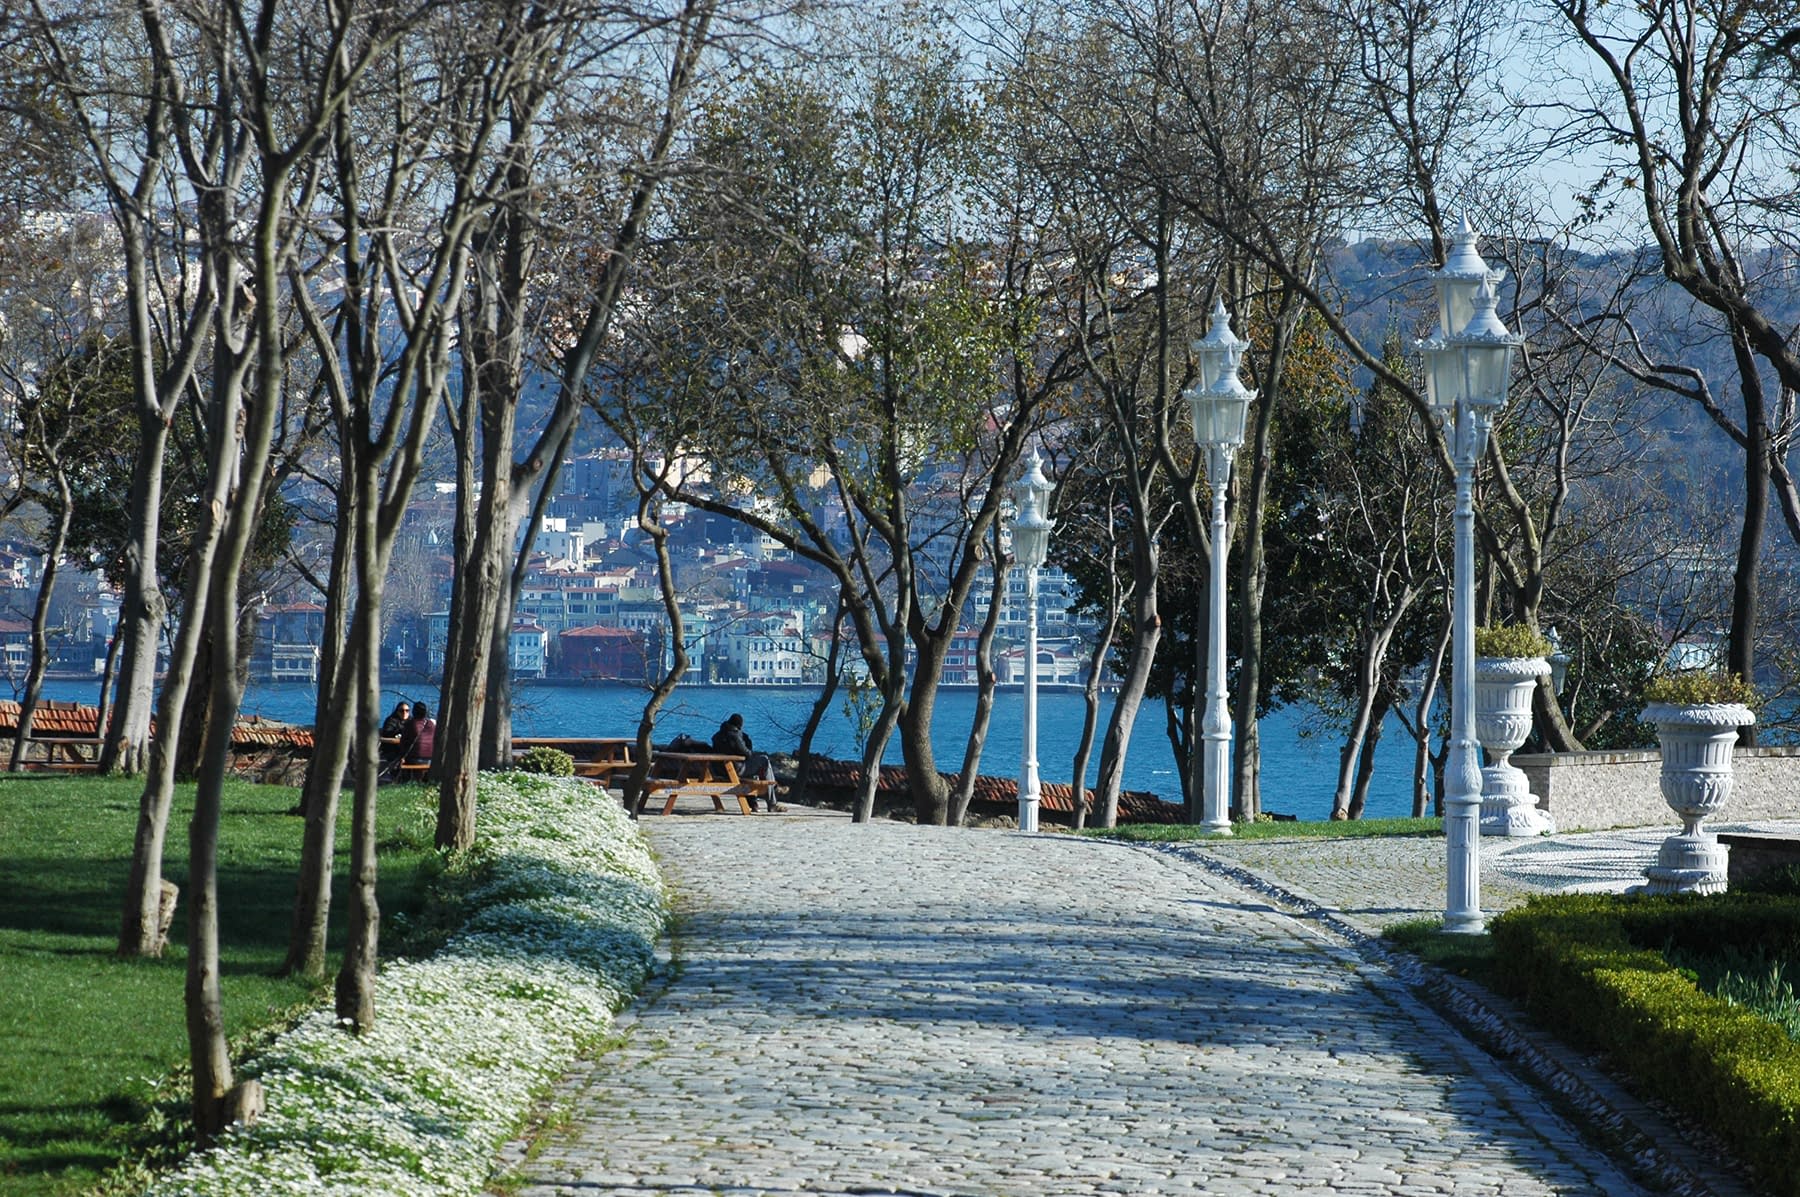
(88, 1038)
(1168, 833)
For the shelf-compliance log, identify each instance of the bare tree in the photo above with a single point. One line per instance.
(128, 116)
(484, 579)
(73, 397)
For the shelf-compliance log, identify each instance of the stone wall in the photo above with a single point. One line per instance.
(1592, 791)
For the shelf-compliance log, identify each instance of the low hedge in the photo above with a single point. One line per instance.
(1582, 964)
(545, 760)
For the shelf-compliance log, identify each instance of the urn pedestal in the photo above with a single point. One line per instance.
(1697, 743)
(1503, 689)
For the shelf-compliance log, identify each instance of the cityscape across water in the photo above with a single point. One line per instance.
(1299, 760)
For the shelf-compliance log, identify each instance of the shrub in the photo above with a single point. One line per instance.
(1510, 640)
(551, 762)
(562, 907)
(1581, 965)
(1700, 687)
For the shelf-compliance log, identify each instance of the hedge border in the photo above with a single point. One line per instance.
(1582, 966)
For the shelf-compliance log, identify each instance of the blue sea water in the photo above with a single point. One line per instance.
(1299, 757)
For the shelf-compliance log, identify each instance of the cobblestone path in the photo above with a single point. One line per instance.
(894, 1009)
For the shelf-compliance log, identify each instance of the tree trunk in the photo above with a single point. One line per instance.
(873, 750)
(190, 736)
(140, 933)
(332, 745)
(126, 748)
(208, 1055)
(930, 792)
(40, 618)
(1090, 715)
(332, 737)
(1547, 718)
(496, 723)
(108, 673)
(984, 691)
(1354, 747)
(1423, 770)
(1147, 626)
(355, 989)
(816, 716)
(1365, 765)
(469, 651)
(1740, 645)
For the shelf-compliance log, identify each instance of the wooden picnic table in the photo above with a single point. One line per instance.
(66, 753)
(597, 748)
(709, 774)
(597, 758)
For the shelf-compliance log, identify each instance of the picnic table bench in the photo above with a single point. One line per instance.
(703, 774)
(598, 759)
(64, 754)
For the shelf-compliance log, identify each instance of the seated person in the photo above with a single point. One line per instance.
(733, 739)
(393, 728)
(419, 738)
(396, 720)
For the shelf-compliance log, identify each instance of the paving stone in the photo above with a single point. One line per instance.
(886, 1008)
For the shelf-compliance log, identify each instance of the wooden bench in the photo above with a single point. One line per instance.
(671, 789)
(601, 772)
(413, 771)
(63, 766)
(78, 752)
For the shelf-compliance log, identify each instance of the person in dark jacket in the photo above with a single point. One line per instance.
(732, 738)
(397, 719)
(393, 728)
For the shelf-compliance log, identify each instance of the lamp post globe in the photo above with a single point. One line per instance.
(1217, 404)
(1031, 545)
(1468, 365)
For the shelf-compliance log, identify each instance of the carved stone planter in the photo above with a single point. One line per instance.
(1503, 688)
(1697, 743)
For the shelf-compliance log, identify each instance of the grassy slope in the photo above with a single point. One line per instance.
(87, 1036)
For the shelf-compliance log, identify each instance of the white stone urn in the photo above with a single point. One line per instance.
(1697, 743)
(1503, 689)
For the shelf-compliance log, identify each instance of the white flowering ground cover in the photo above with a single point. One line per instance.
(562, 928)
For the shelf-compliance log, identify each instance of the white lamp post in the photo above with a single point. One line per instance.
(1031, 543)
(1217, 402)
(1467, 363)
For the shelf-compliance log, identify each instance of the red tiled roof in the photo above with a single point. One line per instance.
(1135, 806)
(78, 719)
(599, 631)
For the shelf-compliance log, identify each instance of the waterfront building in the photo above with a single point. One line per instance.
(1059, 663)
(605, 654)
(962, 662)
(769, 650)
(288, 641)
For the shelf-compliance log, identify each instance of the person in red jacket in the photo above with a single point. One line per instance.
(420, 736)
